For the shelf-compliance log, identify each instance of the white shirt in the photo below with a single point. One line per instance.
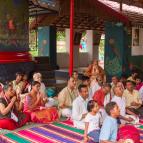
(94, 87)
(121, 103)
(79, 107)
(94, 121)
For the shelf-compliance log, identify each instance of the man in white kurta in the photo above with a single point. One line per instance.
(120, 100)
(79, 107)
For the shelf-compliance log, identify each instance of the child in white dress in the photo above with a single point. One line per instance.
(92, 122)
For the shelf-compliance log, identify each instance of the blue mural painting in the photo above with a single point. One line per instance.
(43, 41)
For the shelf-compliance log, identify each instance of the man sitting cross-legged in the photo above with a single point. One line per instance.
(132, 99)
(79, 107)
(120, 100)
(66, 97)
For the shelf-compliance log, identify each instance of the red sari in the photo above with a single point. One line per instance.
(99, 97)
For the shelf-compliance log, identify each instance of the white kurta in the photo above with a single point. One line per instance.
(78, 109)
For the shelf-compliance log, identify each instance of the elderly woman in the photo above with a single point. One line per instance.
(49, 102)
(10, 115)
(38, 77)
(35, 105)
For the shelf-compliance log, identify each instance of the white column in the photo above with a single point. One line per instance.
(67, 34)
(90, 45)
(96, 42)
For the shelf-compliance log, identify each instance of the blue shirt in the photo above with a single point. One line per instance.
(109, 129)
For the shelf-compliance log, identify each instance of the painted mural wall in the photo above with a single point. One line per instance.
(118, 51)
(113, 49)
(14, 25)
(43, 41)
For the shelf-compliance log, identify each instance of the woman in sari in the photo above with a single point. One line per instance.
(11, 116)
(35, 105)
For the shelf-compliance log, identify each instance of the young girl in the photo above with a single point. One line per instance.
(92, 122)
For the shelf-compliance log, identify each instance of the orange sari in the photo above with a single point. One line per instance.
(40, 114)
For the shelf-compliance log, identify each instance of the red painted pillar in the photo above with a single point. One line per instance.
(71, 35)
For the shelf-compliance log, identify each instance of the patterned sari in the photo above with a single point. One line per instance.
(40, 114)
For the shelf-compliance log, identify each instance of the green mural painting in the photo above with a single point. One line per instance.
(113, 49)
(118, 58)
(113, 66)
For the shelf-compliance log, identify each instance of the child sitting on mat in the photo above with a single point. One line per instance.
(92, 122)
(109, 128)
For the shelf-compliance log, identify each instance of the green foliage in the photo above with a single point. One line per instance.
(61, 46)
(34, 53)
(61, 35)
(101, 49)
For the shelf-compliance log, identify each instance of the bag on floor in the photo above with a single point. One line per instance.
(50, 92)
(129, 133)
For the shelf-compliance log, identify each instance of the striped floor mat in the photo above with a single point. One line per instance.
(51, 133)
(62, 132)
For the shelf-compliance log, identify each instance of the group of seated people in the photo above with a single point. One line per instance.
(22, 101)
(92, 104)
